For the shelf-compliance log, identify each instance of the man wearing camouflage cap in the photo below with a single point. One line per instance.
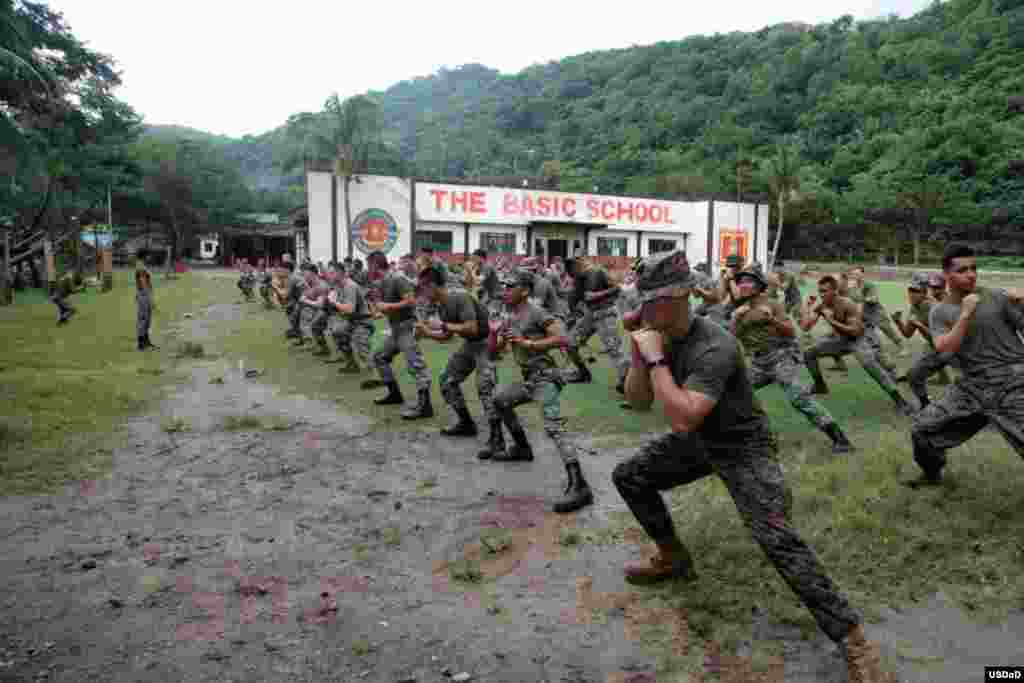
(353, 327)
(930, 361)
(533, 333)
(544, 293)
(696, 370)
(769, 335)
(460, 314)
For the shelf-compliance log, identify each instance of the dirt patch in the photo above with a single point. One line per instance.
(325, 552)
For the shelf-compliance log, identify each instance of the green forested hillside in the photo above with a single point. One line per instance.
(893, 128)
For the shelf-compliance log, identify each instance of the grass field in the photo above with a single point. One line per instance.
(69, 387)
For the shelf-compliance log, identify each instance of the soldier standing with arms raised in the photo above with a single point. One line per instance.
(768, 334)
(695, 369)
(462, 315)
(596, 293)
(532, 334)
(398, 304)
(982, 328)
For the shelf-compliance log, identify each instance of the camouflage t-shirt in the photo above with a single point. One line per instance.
(756, 331)
(709, 361)
(532, 322)
(993, 342)
(393, 288)
(461, 307)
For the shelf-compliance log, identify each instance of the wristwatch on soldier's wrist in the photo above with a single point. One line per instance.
(660, 360)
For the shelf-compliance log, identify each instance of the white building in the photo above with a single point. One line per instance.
(400, 215)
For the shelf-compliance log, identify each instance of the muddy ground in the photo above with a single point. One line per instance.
(319, 549)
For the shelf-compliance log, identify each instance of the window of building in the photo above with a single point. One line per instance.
(498, 243)
(440, 242)
(660, 246)
(612, 246)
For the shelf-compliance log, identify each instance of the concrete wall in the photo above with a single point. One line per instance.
(384, 193)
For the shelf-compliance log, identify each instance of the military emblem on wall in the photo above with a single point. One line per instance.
(374, 230)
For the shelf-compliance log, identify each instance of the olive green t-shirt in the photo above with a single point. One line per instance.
(993, 342)
(708, 361)
(393, 288)
(532, 322)
(757, 332)
(921, 312)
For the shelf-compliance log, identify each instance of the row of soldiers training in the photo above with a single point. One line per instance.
(701, 346)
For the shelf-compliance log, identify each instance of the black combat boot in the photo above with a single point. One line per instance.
(142, 342)
(422, 409)
(321, 347)
(464, 427)
(393, 398)
(819, 388)
(931, 464)
(577, 493)
(495, 444)
(373, 383)
(582, 376)
(149, 343)
(840, 444)
(520, 450)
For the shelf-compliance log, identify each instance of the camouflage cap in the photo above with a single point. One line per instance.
(662, 276)
(754, 273)
(936, 280)
(517, 277)
(918, 282)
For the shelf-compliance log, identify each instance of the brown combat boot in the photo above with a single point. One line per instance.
(673, 561)
(863, 663)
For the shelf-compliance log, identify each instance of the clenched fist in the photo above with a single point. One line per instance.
(650, 344)
(969, 305)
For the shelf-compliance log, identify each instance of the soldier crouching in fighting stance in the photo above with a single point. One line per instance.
(533, 333)
(398, 304)
(981, 327)
(695, 369)
(461, 314)
(768, 334)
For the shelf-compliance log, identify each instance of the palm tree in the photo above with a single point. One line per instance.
(784, 181)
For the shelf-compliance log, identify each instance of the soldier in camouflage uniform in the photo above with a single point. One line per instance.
(397, 303)
(930, 361)
(143, 304)
(353, 327)
(246, 279)
(769, 336)
(293, 309)
(489, 294)
(844, 316)
(697, 371)
(854, 286)
(533, 333)
(728, 293)
(459, 313)
(315, 297)
(596, 293)
(544, 293)
(983, 328)
(264, 277)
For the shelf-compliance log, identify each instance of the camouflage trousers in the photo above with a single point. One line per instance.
(924, 367)
(402, 340)
(143, 313)
(605, 323)
(782, 367)
(318, 328)
(877, 317)
(544, 387)
(353, 337)
(246, 288)
(754, 479)
(293, 312)
(265, 295)
(967, 407)
(874, 339)
(714, 312)
(861, 347)
(471, 356)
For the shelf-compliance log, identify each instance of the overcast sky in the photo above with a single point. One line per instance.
(236, 68)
